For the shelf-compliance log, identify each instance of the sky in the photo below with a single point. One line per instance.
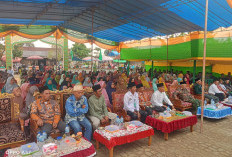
(39, 43)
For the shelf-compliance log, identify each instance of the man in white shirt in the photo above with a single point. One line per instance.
(213, 89)
(159, 97)
(131, 104)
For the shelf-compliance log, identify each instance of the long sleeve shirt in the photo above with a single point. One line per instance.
(49, 111)
(213, 89)
(197, 89)
(97, 107)
(74, 108)
(131, 101)
(158, 98)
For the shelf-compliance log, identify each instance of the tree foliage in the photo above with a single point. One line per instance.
(80, 50)
(18, 50)
(29, 45)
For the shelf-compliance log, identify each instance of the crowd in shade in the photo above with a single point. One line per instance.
(104, 84)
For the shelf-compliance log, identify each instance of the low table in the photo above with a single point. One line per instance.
(110, 140)
(85, 148)
(216, 113)
(226, 103)
(168, 127)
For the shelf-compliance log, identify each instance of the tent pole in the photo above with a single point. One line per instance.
(152, 66)
(92, 43)
(203, 76)
(194, 70)
(56, 49)
(152, 69)
(128, 68)
(167, 54)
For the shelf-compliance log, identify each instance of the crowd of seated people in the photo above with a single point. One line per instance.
(90, 113)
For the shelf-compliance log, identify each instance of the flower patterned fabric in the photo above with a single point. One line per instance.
(84, 148)
(186, 104)
(10, 133)
(5, 110)
(122, 132)
(118, 100)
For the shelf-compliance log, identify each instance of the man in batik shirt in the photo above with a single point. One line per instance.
(46, 112)
(184, 94)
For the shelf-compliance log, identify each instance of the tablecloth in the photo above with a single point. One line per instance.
(125, 138)
(227, 104)
(168, 127)
(215, 114)
(84, 149)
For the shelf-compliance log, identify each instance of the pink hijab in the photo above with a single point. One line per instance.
(24, 90)
(104, 93)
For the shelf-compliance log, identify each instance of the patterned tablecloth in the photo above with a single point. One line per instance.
(122, 136)
(169, 126)
(85, 148)
(216, 113)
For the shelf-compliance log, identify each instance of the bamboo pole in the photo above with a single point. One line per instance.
(167, 54)
(203, 76)
(56, 49)
(152, 66)
(92, 43)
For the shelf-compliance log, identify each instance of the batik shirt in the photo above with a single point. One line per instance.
(183, 94)
(74, 110)
(48, 111)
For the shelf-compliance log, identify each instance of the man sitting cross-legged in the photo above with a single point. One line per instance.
(198, 90)
(183, 94)
(98, 113)
(158, 99)
(131, 104)
(47, 112)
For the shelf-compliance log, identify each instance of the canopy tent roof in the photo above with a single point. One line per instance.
(118, 20)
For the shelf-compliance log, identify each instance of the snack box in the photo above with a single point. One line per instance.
(49, 148)
(28, 149)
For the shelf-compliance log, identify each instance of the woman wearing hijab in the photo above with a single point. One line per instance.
(185, 80)
(30, 97)
(24, 89)
(175, 83)
(65, 84)
(45, 78)
(162, 80)
(121, 85)
(57, 78)
(80, 77)
(87, 82)
(75, 80)
(10, 85)
(144, 82)
(110, 88)
(154, 84)
(131, 80)
(138, 80)
(104, 93)
(62, 79)
(50, 85)
(179, 80)
(19, 100)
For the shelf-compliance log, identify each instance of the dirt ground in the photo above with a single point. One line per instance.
(215, 141)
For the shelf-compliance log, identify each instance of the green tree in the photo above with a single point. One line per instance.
(18, 50)
(106, 52)
(80, 50)
(29, 45)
